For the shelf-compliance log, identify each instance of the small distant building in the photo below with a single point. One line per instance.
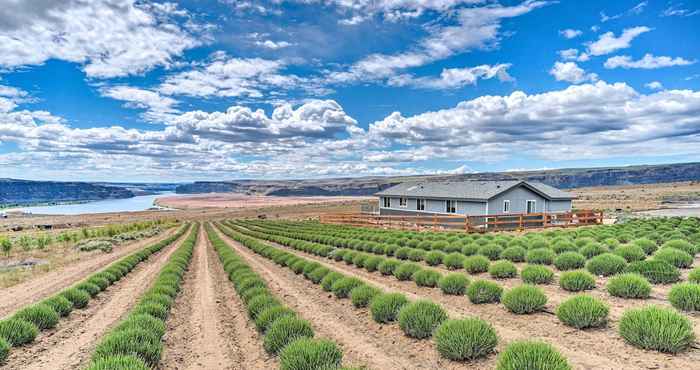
(473, 198)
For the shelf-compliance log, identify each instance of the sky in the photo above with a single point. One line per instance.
(123, 90)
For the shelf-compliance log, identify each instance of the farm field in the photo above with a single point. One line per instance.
(239, 293)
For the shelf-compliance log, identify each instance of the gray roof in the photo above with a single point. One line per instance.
(469, 190)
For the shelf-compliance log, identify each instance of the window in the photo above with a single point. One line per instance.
(506, 206)
(420, 204)
(451, 206)
(387, 202)
(531, 206)
(402, 202)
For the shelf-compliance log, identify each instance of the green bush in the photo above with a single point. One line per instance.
(685, 296)
(60, 304)
(483, 291)
(119, 362)
(470, 249)
(630, 252)
(285, 330)
(629, 285)
(17, 331)
(681, 245)
(385, 307)
(647, 245)
(476, 264)
(593, 249)
(540, 256)
(310, 354)
(372, 263)
(133, 342)
(419, 319)
(583, 311)
(417, 255)
(434, 258)
(656, 271)
(318, 274)
(145, 322)
(453, 261)
(330, 279)
(694, 275)
(537, 274)
(569, 261)
(524, 299)
(342, 287)
(503, 269)
(531, 355)
(454, 284)
(362, 295)
(402, 253)
(675, 257)
(251, 293)
(77, 297)
(466, 339)
(271, 314)
(563, 246)
(388, 266)
(41, 315)
(260, 303)
(491, 251)
(606, 264)
(406, 270)
(514, 254)
(427, 278)
(576, 281)
(154, 309)
(101, 281)
(4, 350)
(657, 328)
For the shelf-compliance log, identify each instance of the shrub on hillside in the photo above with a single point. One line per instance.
(675, 257)
(593, 249)
(514, 254)
(537, 274)
(453, 261)
(330, 279)
(419, 319)
(476, 264)
(77, 297)
(648, 246)
(427, 278)
(524, 299)
(317, 275)
(683, 245)
(372, 263)
(417, 255)
(284, 331)
(385, 307)
(454, 284)
(402, 253)
(685, 296)
(606, 264)
(491, 251)
(569, 261)
(503, 269)
(60, 304)
(656, 328)
(434, 258)
(531, 355)
(656, 271)
(583, 311)
(470, 249)
(629, 285)
(270, 315)
(134, 342)
(576, 281)
(540, 256)
(465, 339)
(362, 295)
(563, 246)
(388, 266)
(342, 287)
(406, 270)
(630, 252)
(259, 304)
(483, 291)
(307, 354)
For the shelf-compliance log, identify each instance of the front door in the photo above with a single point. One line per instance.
(531, 206)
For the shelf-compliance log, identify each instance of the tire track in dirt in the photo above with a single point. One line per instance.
(585, 349)
(70, 344)
(47, 284)
(363, 341)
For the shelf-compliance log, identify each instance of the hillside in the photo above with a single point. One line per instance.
(561, 178)
(21, 192)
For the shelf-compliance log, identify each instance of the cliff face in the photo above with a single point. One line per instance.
(28, 192)
(562, 178)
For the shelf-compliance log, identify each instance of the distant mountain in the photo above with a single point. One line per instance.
(23, 192)
(561, 178)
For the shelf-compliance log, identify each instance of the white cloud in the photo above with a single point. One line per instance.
(654, 85)
(159, 108)
(678, 10)
(110, 38)
(453, 78)
(649, 61)
(274, 45)
(570, 33)
(608, 42)
(573, 54)
(637, 9)
(571, 72)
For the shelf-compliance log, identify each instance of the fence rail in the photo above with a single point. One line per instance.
(485, 223)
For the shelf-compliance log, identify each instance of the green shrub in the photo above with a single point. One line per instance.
(260, 303)
(454, 284)
(406, 270)
(101, 281)
(503, 270)
(17, 331)
(476, 264)
(611, 243)
(531, 355)
(427, 278)
(675, 257)
(569, 261)
(133, 342)
(372, 263)
(385, 307)
(310, 268)
(657, 328)
(249, 294)
(647, 245)
(656, 271)
(629, 285)
(298, 266)
(630, 252)
(362, 295)
(514, 254)
(470, 249)
(483, 291)
(583, 311)
(318, 274)
(466, 339)
(359, 259)
(271, 314)
(593, 249)
(685, 296)
(419, 319)
(524, 299)
(537, 274)
(41, 315)
(145, 322)
(681, 245)
(342, 287)
(576, 281)
(77, 297)
(330, 278)
(119, 362)
(285, 330)
(491, 251)
(563, 246)
(453, 261)
(434, 258)
(540, 256)
(402, 253)
(694, 275)
(4, 350)
(60, 304)
(153, 309)
(388, 266)
(310, 354)
(606, 264)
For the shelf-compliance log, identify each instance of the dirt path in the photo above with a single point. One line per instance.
(204, 332)
(70, 344)
(363, 341)
(47, 284)
(590, 349)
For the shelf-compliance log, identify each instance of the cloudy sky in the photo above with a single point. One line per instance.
(127, 90)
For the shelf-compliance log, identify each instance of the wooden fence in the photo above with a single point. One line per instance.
(441, 222)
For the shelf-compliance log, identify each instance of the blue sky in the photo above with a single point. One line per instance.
(123, 90)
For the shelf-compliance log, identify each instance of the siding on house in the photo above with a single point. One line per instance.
(431, 206)
(518, 197)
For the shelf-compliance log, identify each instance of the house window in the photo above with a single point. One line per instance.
(531, 206)
(387, 202)
(506, 206)
(451, 206)
(402, 202)
(420, 204)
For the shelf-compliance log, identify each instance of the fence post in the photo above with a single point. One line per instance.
(521, 225)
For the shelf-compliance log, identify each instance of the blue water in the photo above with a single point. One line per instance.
(139, 203)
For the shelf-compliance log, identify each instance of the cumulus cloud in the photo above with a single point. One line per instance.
(637, 9)
(273, 45)
(570, 33)
(649, 61)
(573, 54)
(608, 42)
(654, 85)
(453, 78)
(158, 107)
(571, 72)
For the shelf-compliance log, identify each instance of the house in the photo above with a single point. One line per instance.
(473, 198)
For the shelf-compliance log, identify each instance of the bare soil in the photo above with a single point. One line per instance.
(636, 197)
(71, 343)
(42, 286)
(233, 200)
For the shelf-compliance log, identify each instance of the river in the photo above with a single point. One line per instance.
(138, 203)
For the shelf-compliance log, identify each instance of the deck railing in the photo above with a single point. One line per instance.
(485, 223)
